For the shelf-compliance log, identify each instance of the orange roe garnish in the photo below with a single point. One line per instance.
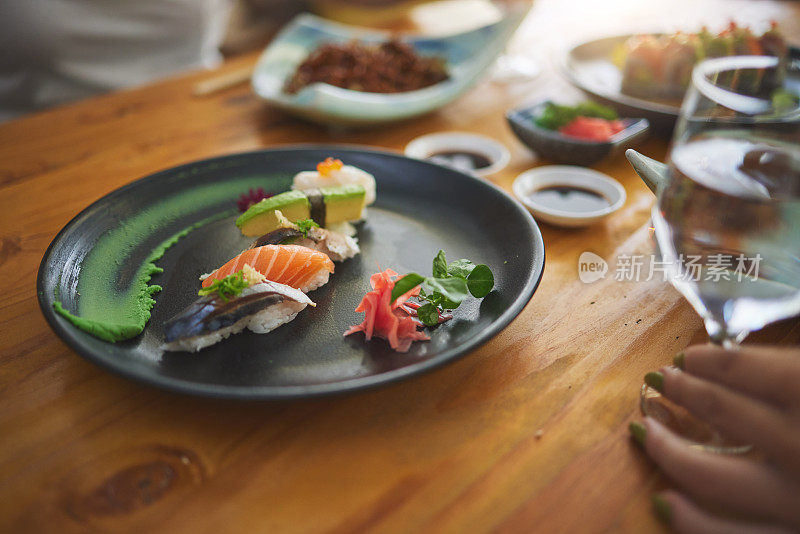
(330, 164)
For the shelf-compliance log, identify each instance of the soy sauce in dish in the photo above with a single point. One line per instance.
(569, 198)
(461, 159)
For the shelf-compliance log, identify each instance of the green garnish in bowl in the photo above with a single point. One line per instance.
(555, 115)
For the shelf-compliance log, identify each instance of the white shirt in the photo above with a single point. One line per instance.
(57, 51)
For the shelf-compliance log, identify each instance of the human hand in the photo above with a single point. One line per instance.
(751, 395)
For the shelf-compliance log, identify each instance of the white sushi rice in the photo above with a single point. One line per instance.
(317, 281)
(345, 228)
(344, 176)
(338, 247)
(260, 323)
(270, 319)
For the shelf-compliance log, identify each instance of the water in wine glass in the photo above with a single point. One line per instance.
(728, 229)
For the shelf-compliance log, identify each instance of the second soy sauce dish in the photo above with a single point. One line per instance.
(566, 195)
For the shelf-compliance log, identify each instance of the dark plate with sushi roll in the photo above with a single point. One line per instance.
(172, 227)
(646, 75)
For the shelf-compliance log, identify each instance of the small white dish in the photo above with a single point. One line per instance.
(425, 146)
(568, 177)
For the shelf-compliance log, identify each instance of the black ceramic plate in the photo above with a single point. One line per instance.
(421, 208)
(590, 67)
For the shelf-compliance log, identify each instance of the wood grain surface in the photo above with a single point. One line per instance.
(527, 434)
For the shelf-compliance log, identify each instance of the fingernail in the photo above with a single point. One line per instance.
(655, 380)
(638, 432)
(679, 360)
(662, 508)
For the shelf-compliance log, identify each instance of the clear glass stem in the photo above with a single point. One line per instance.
(719, 335)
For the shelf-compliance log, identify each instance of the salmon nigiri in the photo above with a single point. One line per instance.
(299, 267)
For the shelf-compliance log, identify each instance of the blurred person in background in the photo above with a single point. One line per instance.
(58, 52)
(53, 53)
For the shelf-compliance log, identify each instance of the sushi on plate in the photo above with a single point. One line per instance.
(337, 246)
(333, 172)
(245, 299)
(331, 207)
(660, 66)
(299, 267)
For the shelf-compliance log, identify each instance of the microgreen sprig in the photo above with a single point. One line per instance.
(305, 225)
(554, 116)
(227, 288)
(449, 286)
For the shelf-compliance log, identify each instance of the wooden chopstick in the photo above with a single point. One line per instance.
(223, 81)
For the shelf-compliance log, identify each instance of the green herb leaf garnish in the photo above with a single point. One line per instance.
(460, 268)
(305, 225)
(429, 314)
(440, 265)
(227, 288)
(449, 286)
(406, 284)
(480, 281)
(555, 116)
(452, 290)
(593, 109)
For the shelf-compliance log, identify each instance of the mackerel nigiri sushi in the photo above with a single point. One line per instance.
(298, 267)
(243, 300)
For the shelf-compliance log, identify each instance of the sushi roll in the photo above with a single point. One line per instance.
(720, 46)
(337, 246)
(299, 267)
(244, 300)
(660, 66)
(681, 53)
(773, 43)
(332, 172)
(642, 68)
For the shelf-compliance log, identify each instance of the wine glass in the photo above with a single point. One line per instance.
(727, 219)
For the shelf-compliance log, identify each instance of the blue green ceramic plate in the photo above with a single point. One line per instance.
(468, 55)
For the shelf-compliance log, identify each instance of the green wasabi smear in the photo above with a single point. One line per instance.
(127, 317)
(114, 308)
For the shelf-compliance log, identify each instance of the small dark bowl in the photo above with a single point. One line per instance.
(560, 148)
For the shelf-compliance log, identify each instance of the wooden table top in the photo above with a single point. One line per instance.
(528, 433)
